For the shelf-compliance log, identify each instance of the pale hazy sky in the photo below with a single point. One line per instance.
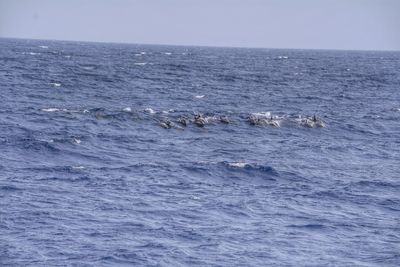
(324, 24)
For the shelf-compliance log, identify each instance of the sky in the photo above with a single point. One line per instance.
(302, 24)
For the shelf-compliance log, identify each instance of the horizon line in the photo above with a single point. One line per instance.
(193, 45)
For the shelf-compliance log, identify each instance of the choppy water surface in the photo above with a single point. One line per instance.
(96, 170)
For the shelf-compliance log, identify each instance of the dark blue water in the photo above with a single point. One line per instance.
(88, 177)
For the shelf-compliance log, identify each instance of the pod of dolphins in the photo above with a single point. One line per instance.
(201, 120)
(198, 119)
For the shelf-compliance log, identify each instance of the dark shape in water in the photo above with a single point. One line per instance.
(166, 123)
(183, 121)
(253, 120)
(199, 120)
(224, 119)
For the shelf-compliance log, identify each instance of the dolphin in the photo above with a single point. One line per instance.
(166, 123)
(224, 119)
(199, 120)
(183, 121)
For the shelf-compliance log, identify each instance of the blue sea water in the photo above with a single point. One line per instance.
(88, 177)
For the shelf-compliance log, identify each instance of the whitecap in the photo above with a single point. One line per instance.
(77, 141)
(70, 110)
(67, 56)
(149, 110)
(199, 96)
(143, 53)
(262, 114)
(43, 46)
(138, 55)
(127, 109)
(283, 57)
(168, 111)
(237, 164)
(56, 84)
(168, 53)
(140, 63)
(50, 109)
(86, 111)
(88, 67)
(78, 167)
(209, 119)
(33, 53)
(274, 123)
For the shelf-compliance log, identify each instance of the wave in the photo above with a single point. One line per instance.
(376, 183)
(56, 169)
(36, 145)
(78, 167)
(311, 226)
(52, 109)
(68, 178)
(262, 114)
(64, 110)
(149, 110)
(235, 171)
(88, 67)
(31, 53)
(9, 188)
(238, 164)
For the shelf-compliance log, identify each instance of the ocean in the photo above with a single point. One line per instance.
(145, 155)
